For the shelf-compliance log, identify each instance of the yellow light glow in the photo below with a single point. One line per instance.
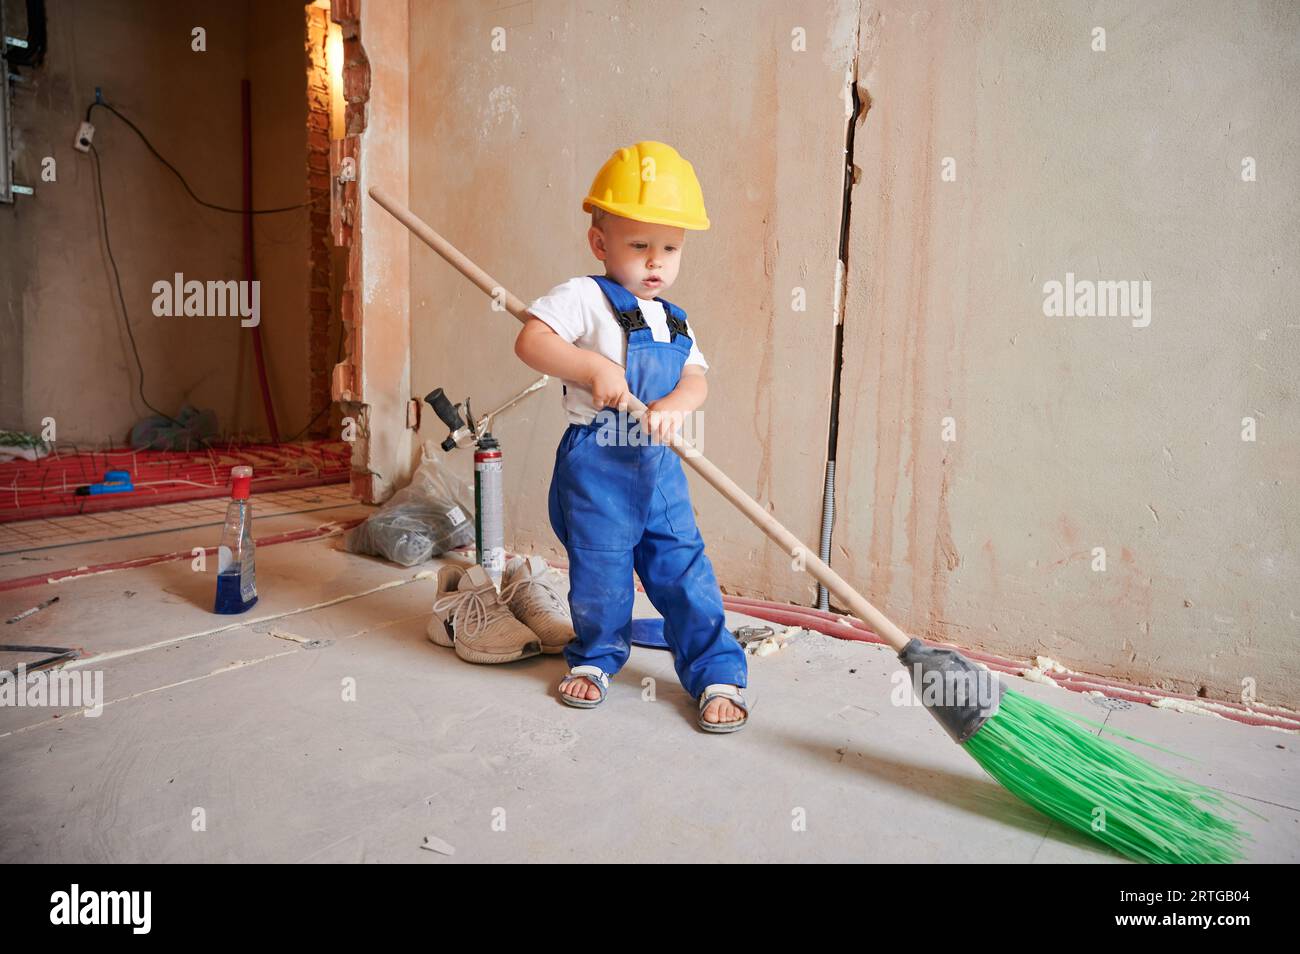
(334, 61)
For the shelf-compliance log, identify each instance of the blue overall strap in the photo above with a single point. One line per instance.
(628, 313)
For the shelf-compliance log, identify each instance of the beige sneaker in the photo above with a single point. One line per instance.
(531, 589)
(470, 617)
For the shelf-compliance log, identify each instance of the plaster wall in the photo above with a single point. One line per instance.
(990, 456)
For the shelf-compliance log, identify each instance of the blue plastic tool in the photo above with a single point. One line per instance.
(115, 482)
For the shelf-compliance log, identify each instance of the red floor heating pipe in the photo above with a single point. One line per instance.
(46, 487)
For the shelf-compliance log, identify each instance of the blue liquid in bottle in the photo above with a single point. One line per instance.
(236, 577)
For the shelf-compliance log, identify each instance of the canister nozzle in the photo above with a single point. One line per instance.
(448, 414)
(445, 410)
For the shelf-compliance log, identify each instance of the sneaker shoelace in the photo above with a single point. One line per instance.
(535, 593)
(470, 612)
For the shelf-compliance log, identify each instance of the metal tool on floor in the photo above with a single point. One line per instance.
(18, 617)
(752, 634)
(1049, 758)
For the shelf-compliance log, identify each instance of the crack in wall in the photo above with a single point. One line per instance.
(860, 101)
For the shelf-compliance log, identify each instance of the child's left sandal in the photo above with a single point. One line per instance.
(732, 695)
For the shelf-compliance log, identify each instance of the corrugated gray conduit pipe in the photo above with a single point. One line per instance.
(828, 522)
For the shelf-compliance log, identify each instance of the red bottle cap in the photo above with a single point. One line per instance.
(241, 482)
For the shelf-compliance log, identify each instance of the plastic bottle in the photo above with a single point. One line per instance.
(236, 580)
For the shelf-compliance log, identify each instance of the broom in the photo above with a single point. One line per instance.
(1043, 755)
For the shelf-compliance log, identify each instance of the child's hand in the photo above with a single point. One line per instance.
(608, 385)
(665, 417)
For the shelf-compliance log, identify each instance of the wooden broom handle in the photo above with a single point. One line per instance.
(684, 449)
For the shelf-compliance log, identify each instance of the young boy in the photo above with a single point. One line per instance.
(619, 500)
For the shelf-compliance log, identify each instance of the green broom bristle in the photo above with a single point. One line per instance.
(1045, 756)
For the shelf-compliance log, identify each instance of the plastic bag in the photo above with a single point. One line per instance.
(191, 429)
(430, 515)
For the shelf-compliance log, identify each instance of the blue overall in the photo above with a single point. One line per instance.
(619, 503)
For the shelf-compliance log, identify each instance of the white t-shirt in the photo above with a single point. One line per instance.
(579, 312)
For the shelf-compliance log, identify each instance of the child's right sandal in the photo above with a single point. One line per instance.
(598, 678)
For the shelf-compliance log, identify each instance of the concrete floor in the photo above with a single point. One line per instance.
(248, 726)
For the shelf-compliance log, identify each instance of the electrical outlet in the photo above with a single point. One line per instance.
(84, 137)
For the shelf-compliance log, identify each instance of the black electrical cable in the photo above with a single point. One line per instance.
(337, 357)
(117, 282)
(103, 207)
(290, 440)
(177, 173)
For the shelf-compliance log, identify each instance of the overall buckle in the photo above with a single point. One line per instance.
(631, 320)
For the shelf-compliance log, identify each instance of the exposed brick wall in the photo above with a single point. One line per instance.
(345, 222)
(343, 215)
(356, 67)
(345, 209)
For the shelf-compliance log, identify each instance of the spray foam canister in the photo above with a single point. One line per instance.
(489, 507)
(236, 580)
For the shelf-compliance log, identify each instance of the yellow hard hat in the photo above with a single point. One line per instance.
(649, 182)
